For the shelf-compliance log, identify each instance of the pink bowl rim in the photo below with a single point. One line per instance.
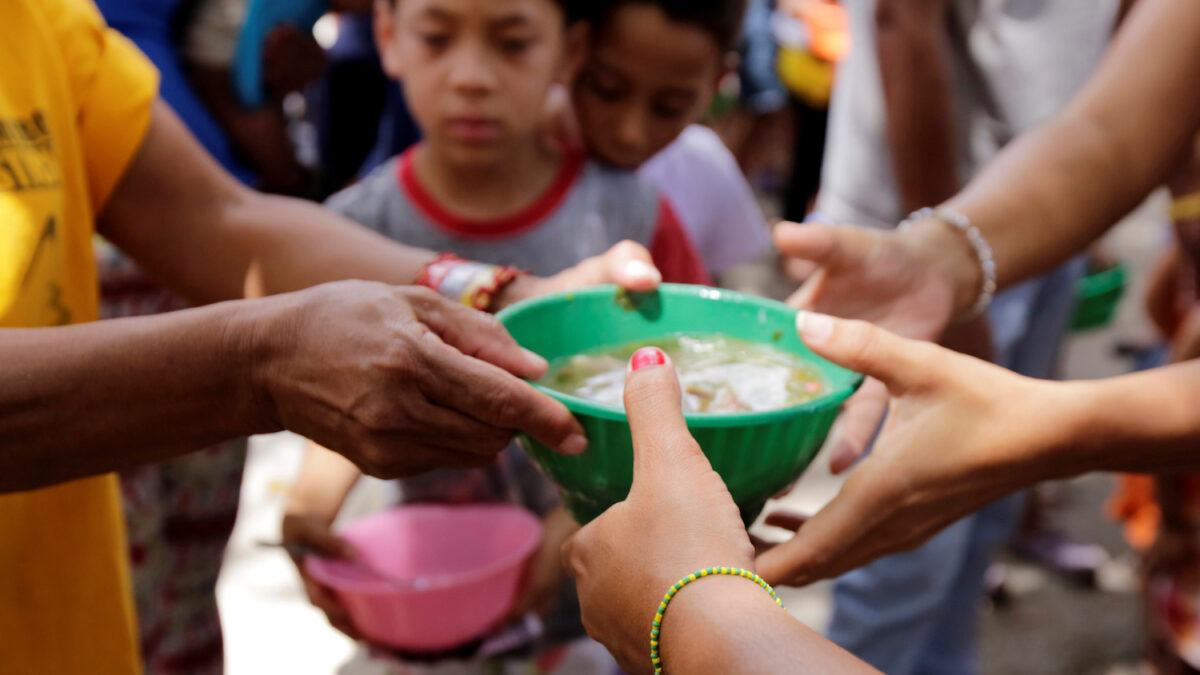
(316, 567)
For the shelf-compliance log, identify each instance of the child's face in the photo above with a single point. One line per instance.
(475, 72)
(647, 77)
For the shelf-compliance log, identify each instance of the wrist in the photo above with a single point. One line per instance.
(949, 255)
(695, 635)
(523, 287)
(1076, 441)
(256, 332)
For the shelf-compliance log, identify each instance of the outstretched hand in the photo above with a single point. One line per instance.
(961, 433)
(893, 280)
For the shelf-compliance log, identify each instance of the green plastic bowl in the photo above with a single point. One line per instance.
(1097, 297)
(756, 453)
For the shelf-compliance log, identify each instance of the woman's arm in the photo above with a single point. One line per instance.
(962, 432)
(1044, 199)
(729, 625)
(1057, 189)
(398, 379)
(207, 237)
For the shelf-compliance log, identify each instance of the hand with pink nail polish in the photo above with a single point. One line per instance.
(678, 518)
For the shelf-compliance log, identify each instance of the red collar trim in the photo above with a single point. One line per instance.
(489, 228)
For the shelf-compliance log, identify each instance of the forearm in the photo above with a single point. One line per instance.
(281, 244)
(100, 397)
(1057, 189)
(325, 480)
(1144, 422)
(729, 625)
(191, 225)
(914, 66)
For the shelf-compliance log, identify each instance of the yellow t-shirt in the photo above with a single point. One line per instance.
(75, 104)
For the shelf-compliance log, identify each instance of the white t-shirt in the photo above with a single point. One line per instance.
(705, 185)
(1015, 64)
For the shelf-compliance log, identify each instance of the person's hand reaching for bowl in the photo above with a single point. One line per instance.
(911, 283)
(961, 432)
(677, 519)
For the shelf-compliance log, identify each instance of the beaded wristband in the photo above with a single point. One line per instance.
(1186, 208)
(470, 283)
(983, 251)
(698, 574)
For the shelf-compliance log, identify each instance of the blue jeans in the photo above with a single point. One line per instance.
(916, 613)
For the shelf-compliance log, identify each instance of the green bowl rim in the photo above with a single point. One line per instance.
(696, 420)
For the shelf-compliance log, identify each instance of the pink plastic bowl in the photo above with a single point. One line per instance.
(464, 564)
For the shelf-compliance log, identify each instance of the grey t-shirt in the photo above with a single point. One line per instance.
(1015, 64)
(589, 209)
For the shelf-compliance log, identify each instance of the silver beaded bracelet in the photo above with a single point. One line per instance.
(983, 251)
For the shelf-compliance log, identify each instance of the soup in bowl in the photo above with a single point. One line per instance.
(758, 402)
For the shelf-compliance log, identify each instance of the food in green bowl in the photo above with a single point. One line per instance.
(756, 452)
(717, 373)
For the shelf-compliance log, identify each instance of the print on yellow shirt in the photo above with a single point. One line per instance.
(31, 175)
(71, 119)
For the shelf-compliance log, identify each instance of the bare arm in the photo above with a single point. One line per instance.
(1057, 189)
(964, 433)
(325, 480)
(209, 238)
(914, 65)
(729, 625)
(140, 401)
(397, 379)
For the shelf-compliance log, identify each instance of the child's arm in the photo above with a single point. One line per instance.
(313, 503)
(324, 481)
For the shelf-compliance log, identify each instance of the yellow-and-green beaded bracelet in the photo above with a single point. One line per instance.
(698, 574)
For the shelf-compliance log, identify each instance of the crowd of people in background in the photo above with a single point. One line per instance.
(228, 164)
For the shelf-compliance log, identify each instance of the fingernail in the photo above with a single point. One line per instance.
(813, 327)
(647, 356)
(575, 444)
(536, 359)
(639, 270)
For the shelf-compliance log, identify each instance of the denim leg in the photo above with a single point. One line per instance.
(951, 648)
(885, 613)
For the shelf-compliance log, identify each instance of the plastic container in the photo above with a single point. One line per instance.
(1097, 297)
(462, 566)
(756, 453)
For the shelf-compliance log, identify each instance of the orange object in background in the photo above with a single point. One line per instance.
(1134, 504)
(829, 27)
